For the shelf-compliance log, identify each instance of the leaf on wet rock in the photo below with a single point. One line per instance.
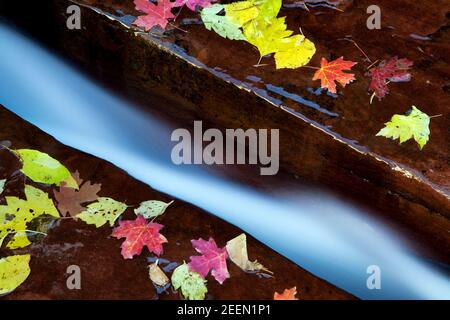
(2, 185)
(14, 270)
(243, 12)
(17, 213)
(393, 70)
(291, 51)
(332, 72)
(152, 208)
(156, 14)
(298, 54)
(212, 258)
(404, 127)
(193, 4)
(40, 167)
(288, 294)
(103, 211)
(157, 276)
(139, 233)
(193, 286)
(70, 200)
(237, 252)
(221, 24)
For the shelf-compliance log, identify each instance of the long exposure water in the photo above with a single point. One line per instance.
(325, 235)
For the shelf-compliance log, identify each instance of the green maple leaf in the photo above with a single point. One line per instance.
(103, 211)
(222, 25)
(404, 127)
(14, 270)
(191, 283)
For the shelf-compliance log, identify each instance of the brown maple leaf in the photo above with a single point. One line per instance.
(70, 201)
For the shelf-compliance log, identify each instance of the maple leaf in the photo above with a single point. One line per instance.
(157, 14)
(191, 283)
(330, 72)
(222, 25)
(17, 213)
(192, 4)
(393, 70)
(139, 233)
(40, 167)
(243, 12)
(70, 200)
(413, 125)
(14, 270)
(212, 258)
(237, 251)
(103, 211)
(288, 294)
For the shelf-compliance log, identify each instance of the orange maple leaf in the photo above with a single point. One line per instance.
(288, 294)
(330, 72)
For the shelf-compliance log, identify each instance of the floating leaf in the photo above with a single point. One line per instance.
(156, 14)
(268, 37)
(193, 4)
(40, 167)
(330, 72)
(393, 70)
(14, 270)
(152, 208)
(298, 54)
(193, 286)
(237, 251)
(212, 258)
(2, 185)
(244, 12)
(15, 215)
(70, 200)
(404, 127)
(103, 211)
(222, 25)
(157, 276)
(139, 233)
(241, 12)
(288, 294)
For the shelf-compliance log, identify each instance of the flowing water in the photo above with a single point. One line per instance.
(320, 232)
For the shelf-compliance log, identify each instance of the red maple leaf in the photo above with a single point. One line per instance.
(139, 233)
(212, 258)
(330, 72)
(288, 294)
(393, 70)
(192, 4)
(157, 14)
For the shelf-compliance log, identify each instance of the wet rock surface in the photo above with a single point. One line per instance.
(327, 140)
(104, 272)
